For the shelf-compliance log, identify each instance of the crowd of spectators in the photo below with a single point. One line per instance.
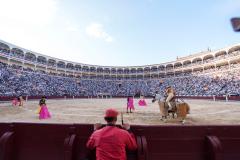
(15, 81)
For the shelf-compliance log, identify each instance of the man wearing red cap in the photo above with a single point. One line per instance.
(110, 141)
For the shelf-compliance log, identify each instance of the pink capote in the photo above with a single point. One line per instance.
(142, 102)
(14, 102)
(44, 113)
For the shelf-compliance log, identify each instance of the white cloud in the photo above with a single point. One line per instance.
(31, 12)
(96, 30)
(72, 29)
(27, 22)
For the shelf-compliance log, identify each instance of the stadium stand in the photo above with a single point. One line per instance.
(15, 82)
(209, 73)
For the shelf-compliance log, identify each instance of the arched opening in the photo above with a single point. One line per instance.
(85, 75)
(41, 60)
(4, 48)
(119, 77)
(78, 67)
(187, 63)
(113, 71)
(126, 71)
(70, 66)
(120, 71)
(92, 76)
(93, 69)
(85, 69)
(169, 74)
(133, 70)
(30, 57)
(146, 69)
(140, 70)
(61, 64)
(16, 64)
(99, 70)
(15, 52)
(222, 66)
(52, 62)
(234, 51)
(108, 76)
(177, 65)
(147, 76)
(140, 76)
(187, 72)
(210, 68)
(154, 76)
(100, 76)
(208, 58)
(162, 75)
(154, 69)
(220, 55)
(178, 73)
(169, 67)
(106, 70)
(112, 77)
(3, 60)
(197, 61)
(198, 70)
(235, 63)
(133, 77)
(161, 68)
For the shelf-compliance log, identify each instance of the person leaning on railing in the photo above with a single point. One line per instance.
(111, 141)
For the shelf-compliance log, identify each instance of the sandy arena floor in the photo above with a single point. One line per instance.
(92, 111)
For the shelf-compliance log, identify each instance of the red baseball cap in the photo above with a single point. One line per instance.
(111, 113)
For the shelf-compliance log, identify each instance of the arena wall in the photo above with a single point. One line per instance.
(28, 141)
(232, 98)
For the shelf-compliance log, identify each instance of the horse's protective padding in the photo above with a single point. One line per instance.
(182, 109)
(163, 109)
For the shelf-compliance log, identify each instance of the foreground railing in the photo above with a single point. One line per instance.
(32, 141)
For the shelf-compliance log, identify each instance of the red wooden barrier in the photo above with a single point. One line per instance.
(28, 141)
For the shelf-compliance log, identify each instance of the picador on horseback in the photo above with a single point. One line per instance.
(170, 97)
(168, 105)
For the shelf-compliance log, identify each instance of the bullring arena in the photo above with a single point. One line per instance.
(203, 112)
(205, 74)
(76, 99)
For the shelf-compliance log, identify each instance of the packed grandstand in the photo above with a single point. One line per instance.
(210, 73)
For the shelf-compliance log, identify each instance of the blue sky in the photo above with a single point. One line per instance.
(119, 32)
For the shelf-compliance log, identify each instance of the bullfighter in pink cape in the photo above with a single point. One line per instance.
(43, 113)
(130, 104)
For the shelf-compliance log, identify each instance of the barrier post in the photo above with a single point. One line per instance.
(226, 97)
